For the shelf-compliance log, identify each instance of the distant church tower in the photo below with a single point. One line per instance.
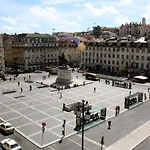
(143, 21)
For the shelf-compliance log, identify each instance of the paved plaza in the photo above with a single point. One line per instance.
(27, 110)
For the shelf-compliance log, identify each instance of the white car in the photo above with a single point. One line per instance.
(10, 144)
(6, 127)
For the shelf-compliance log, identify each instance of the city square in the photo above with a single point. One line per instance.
(27, 110)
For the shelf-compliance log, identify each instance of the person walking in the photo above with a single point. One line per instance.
(118, 109)
(60, 95)
(94, 89)
(109, 125)
(148, 89)
(129, 93)
(30, 88)
(21, 90)
(18, 83)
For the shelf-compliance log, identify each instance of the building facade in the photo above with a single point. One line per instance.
(29, 52)
(109, 56)
(135, 29)
(2, 59)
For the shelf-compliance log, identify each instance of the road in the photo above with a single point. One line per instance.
(122, 125)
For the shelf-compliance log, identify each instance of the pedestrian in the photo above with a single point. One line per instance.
(49, 75)
(30, 87)
(29, 77)
(21, 90)
(109, 125)
(77, 77)
(129, 93)
(94, 89)
(118, 109)
(18, 83)
(10, 79)
(99, 79)
(60, 95)
(14, 78)
(145, 96)
(24, 78)
(83, 83)
(148, 89)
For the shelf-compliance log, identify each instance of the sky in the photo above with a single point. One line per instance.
(48, 16)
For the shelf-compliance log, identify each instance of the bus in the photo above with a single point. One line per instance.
(91, 76)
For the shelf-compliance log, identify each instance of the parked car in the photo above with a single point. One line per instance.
(6, 127)
(10, 144)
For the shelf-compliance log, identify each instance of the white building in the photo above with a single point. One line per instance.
(110, 55)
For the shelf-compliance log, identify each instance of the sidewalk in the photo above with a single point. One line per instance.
(133, 139)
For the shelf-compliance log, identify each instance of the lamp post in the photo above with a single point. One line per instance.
(83, 124)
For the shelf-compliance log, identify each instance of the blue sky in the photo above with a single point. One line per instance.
(22, 16)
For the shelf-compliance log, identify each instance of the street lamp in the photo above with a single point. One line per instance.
(83, 124)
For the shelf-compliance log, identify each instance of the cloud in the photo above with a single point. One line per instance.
(126, 2)
(79, 18)
(120, 19)
(9, 20)
(146, 14)
(31, 25)
(47, 13)
(78, 5)
(9, 29)
(56, 2)
(69, 26)
(100, 11)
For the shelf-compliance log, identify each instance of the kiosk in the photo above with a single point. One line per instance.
(133, 100)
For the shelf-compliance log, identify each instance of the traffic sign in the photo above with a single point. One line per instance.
(43, 124)
(43, 129)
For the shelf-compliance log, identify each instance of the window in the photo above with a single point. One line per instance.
(117, 55)
(113, 55)
(143, 50)
(132, 50)
(122, 49)
(142, 66)
(97, 54)
(108, 61)
(148, 58)
(117, 62)
(101, 61)
(132, 57)
(137, 50)
(137, 57)
(142, 58)
(122, 56)
(93, 60)
(104, 61)
(93, 54)
(105, 55)
(109, 55)
(113, 62)
(127, 56)
(137, 65)
(101, 55)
